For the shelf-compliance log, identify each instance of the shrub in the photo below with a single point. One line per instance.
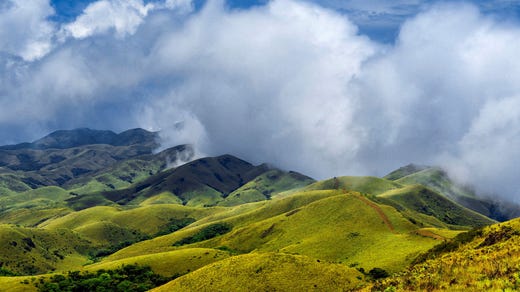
(206, 233)
(378, 273)
(126, 278)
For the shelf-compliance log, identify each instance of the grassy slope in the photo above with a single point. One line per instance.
(437, 180)
(323, 222)
(173, 263)
(326, 225)
(41, 198)
(34, 250)
(105, 226)
(423, 200)
(489, 262)
(268, 272)
(265, 186)
(363, 184)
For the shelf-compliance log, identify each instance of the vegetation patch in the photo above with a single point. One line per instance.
(126, 278)
(174, 225)
(449, 245)
(206, 233)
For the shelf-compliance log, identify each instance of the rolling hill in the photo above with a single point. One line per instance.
(223, 223)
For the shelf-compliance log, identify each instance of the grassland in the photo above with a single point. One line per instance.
(485, 260)
(268, 272)
(235, 226)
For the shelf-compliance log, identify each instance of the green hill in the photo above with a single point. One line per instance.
(224, 180)
(268, 272)
(100, 201)
(427, 202)
(363, 184)
(486, 259)
(439, 181)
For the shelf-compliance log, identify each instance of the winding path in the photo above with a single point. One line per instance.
(371, 204)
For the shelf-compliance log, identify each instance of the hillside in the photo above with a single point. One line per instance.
(214, 222)
(66, 158)
(206, 182)
(438, 180)
(486, 259)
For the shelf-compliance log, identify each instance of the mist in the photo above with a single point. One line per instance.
(289, 82)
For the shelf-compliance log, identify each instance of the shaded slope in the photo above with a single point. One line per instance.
(206, 182)
(404, 171)
(265, 185)
(438, 180)
(420, 199)
(64, 139)
(65, 156)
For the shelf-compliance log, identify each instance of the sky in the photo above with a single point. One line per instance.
(323, 87)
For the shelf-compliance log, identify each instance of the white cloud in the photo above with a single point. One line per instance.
(289, 83)
(24, 28)
(122, 16)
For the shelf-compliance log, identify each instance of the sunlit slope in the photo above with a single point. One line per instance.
(104, 226)
(268, 272)
(18, 284)
(237, 216)
(342, 228)
(363, 184)
(417, 202)
(172, 263)
(326, 225)
(33, 250)
(40, 198)
(31, 207)
(485, 260)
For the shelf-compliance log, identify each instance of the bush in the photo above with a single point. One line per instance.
(127, 278)
(206, 233)
(378, 273)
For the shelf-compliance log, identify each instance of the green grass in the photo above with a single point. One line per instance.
(423, 200)
(34, 250)
(436, 180)
(363, 184)
(483, 260)
(118, 176)
(168, 264)
(268, 272)
(265, 186)
(41, 198)
(326, 225)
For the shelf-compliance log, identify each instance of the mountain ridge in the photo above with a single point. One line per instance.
(62, 139)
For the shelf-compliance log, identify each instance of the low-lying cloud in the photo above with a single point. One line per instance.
(289, 83)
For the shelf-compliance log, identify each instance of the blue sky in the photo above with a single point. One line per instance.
(379, 19)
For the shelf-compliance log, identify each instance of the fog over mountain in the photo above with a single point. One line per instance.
(287, 82)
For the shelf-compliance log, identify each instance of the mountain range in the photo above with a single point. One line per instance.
(88, 201)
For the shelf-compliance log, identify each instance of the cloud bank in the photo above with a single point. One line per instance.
(289, 82)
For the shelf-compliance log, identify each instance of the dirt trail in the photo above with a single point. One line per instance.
(430, 234)
(371, 204)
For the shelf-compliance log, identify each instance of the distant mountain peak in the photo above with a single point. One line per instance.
(63, 139)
